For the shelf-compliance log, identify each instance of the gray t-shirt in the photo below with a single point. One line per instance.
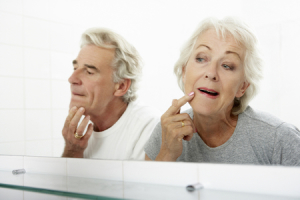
(258, 138)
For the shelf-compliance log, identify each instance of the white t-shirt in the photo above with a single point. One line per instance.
(127, 137)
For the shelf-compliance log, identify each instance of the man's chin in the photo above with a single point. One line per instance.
(78, 105)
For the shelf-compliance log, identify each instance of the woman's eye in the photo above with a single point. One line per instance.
(227, 67)
(200, 59)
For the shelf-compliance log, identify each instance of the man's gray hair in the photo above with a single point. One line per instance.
(252, 62)
(127, 62)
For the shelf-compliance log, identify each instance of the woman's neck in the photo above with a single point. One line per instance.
(215, 130)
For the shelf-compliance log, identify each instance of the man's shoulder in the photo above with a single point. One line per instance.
(140, 110)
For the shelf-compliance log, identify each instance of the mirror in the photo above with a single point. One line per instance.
(39, 40)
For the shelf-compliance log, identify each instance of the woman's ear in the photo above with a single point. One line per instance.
(183, 74)
(242, 89)
(122, 87)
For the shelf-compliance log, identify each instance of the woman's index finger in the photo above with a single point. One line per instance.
(178, 103)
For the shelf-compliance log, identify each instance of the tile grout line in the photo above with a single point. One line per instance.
(24, 85)
(51, 99)
(24, 102)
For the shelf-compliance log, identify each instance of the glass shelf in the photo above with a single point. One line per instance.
(88, 188)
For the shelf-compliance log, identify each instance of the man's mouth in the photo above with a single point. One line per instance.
(77, 94)
(208, 91)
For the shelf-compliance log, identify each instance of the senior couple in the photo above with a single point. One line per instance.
(218, 70)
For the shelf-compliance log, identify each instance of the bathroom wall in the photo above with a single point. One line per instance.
(40, 38)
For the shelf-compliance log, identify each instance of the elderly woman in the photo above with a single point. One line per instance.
(219, 69)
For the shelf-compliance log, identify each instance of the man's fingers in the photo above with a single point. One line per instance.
(75, 120)
(70, 116)
(83, 124)
(89, 132)
(178, 103)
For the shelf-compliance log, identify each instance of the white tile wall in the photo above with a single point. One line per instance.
(269, 37)
(167, 173)
(12, 125)
(38, 148)
(58, 147)
(58, 120)
(64, 38)
(257, 179)
(36, 63)
(12, 6)
(57, 11)
(36, 33)
(38, 125)
(12, 148)
(11, 29)
(61, 95)
(37, 93)
(39, 165)
(11, 162)
(289, 72)
(12, 90)
(11, 60)
(61, 65)
(157, 192)
(87, 168)
(30, 8)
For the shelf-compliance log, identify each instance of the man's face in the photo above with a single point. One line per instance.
(92, 85)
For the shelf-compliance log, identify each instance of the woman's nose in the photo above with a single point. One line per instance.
(211, 72)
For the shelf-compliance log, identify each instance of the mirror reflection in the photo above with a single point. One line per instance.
(40, 40)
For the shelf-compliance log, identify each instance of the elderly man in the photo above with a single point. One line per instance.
(103, 89)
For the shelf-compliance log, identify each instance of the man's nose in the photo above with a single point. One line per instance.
(75, 77)
(211, 71)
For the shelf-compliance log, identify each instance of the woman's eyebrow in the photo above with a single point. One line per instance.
(203, 46)
(232, 52)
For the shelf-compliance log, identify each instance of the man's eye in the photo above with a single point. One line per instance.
(89, 72)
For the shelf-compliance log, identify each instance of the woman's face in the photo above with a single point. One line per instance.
(215, 73)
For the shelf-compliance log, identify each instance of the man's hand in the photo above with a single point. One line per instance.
(175, 127)
(74, 147)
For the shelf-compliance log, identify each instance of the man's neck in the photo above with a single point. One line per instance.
(109, 116)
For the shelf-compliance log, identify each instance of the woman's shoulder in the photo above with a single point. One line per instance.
(255, 118)
(251, 115)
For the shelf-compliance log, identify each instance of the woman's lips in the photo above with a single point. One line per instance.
(210, 93)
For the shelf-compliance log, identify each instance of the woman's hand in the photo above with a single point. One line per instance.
(75, 145)
(175, 127)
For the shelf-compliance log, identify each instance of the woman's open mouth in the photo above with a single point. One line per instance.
(209, 93)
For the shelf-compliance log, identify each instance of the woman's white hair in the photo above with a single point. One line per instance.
(243, 35)
(127, 62)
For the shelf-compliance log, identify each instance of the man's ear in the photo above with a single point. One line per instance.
(242, 89)
(122, 87)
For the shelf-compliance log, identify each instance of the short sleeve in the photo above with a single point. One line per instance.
(287, 146)
(153, 145)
